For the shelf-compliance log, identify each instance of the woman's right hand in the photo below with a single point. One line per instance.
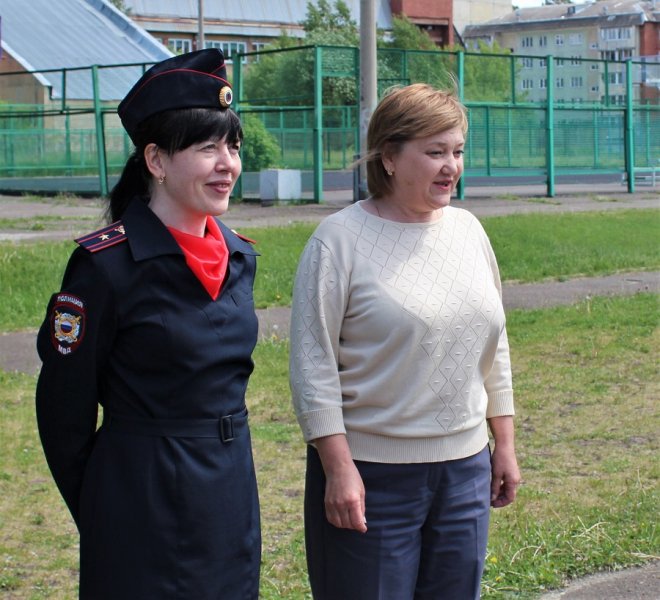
(344, 490)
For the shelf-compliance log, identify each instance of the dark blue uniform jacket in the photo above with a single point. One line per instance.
(164, 499)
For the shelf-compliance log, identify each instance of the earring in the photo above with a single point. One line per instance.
(161, 180)
(390, 172)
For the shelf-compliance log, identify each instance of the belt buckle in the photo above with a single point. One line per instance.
(227, 428)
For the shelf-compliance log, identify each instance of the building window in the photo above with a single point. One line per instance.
(257, 47)
(543, 83)
(543, 41)
(616, 78)
(527, 84)
(594, 66)
(229, 49)
(559, 82)
(576, 81)
(560, 62)
(574, 38)
(595, 88)
(527, 63)
(528, 42)
(618, 54)
(576, 60)
(559, 40)
(543, 62)
(179, 45)
(616, 33)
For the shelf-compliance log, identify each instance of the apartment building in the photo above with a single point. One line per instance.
(242, 27)
(580, 37)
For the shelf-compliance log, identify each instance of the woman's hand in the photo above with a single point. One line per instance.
(344, 490)
(505, 475)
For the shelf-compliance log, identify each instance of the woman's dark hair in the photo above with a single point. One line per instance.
(172, 131)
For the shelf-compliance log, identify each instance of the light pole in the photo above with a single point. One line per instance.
(200, 25)
(368, 75)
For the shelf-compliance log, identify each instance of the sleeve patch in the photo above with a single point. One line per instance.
(103, 238)
(67, 323)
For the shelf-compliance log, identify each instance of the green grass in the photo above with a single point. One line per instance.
(533, 247)
(586, 379)
(528, 247)
(46, 222)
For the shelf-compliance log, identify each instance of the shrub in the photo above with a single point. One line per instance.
(260, 149)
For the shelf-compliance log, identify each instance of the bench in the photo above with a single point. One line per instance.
(644, 175)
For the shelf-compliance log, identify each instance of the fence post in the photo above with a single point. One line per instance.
(318, 124)
(460, 72)
(100, 134)
(629, 138)
(63, 90)
(512, 73)
(488, 148)
(550, 129)
(238, 95)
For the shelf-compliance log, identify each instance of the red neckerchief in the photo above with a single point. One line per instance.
(207, 256)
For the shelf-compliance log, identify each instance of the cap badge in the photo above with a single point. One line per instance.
(225, 96)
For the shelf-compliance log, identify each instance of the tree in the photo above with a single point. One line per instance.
(289, 75)
(119, 5)
(323, 17)
(423, 61)
(488, 76)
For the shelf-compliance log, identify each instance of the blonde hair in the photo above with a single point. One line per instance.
(405, 113)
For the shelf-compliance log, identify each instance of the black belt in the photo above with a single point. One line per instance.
(226, 428)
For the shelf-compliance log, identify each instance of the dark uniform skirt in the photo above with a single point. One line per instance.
(169, 517)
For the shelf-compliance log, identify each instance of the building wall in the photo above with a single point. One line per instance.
(425, 9)
(19, 87)
(433, 16)
(468, 12)
(649, 42)
(438, 17)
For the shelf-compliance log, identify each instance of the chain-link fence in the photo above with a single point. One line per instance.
(529, 115)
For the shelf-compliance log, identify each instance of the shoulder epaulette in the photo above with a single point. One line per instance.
(110, 235)
(244, 238)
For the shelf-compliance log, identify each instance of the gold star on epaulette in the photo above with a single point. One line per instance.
(103, 238)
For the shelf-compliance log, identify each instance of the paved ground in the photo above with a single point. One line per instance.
(17, 350)
(630, 584)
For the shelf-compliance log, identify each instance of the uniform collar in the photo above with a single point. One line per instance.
(148, 237)
(235, 243)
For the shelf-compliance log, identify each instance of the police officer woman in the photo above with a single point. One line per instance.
(155, 323)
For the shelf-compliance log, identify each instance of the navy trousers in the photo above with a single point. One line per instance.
(426, 539)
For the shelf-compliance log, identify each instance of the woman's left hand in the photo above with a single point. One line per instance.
(505, 474)
(505, 477)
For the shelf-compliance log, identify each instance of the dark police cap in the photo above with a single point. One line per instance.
(192, 80)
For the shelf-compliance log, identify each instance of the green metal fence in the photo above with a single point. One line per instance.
(530, 115)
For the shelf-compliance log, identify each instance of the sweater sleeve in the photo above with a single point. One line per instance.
(317, 311)
(498, 383)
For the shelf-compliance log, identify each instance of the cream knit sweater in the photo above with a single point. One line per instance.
(398, 337)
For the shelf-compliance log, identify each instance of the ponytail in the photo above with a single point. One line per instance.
(134, 181)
